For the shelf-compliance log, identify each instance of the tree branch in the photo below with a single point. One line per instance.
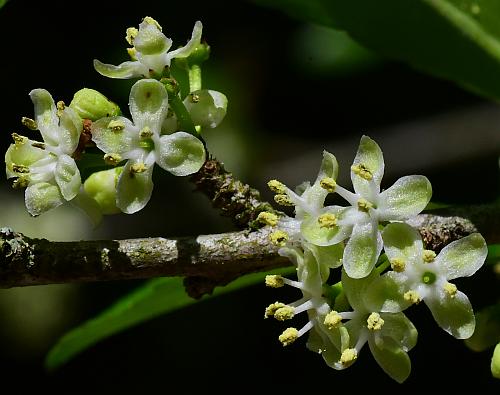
(215, 259)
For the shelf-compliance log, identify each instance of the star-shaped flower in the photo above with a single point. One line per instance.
(420, 275)
(150, 52)
(46, 169)
(369, 207)
(140, 142)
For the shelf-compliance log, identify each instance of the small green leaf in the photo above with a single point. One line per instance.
(454, 39)
(2, 3)
(156, 297)
(493, 254)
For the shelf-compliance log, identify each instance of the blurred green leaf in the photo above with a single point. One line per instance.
(487, 332)
(2, 3)
(454, 39)
(493, 253)
(156, 297)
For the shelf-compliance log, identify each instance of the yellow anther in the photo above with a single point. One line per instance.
(450, 289)
(348, 356)
(332, 320)
(361, 170)
(374, 322)
(271, 309)
(194, 98)
(132, 52)
(283, 200)
(267, 218)
(145, 133)
(112, 159)
(138, 168)
(276, 186)
(18, 139)
(364, 205)
(428, 256)
(284, 313)
(412, 296)
(20, 168)
(152, 21)
(29, 123)
(20, 182)
(288, 336)
(131, 34)
(274, 281)
(60, 108)
(116, 125)
(398, 265)
(328, 183)
(327, 220)
(279, 238)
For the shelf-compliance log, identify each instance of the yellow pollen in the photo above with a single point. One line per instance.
(327, 220)
(283, 200)
(36, 144)
(152, 21)
(398, 265)
(116, 125)
(374, 322)
(428, 256)
(131, 34)
(332, 320)
(145, 133)
(274, 281)
(328, 183)
(18, 139)
(271, 309)
(20, 168)
(29, 123)
(450, 289)
(288, 336)
(361, 170)
(284, 313)
(138, 168)
(279, 238)
(60, 108)
(348, 355)
(132, 53)
(412, 296)
(112, 159)
(267, 218)
(276, 186)
(364, 205)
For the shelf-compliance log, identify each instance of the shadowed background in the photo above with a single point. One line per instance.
(294, 89)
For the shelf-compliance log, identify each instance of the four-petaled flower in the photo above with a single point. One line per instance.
(150, 52)
(420, 275)
(47, 169)
(140, 142)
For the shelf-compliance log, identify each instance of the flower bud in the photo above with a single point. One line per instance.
(91, 104)
(495, 362)
(206, 107)
(101, 186)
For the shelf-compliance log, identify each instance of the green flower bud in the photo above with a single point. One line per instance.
(101, 187)
(91, 104)
(206, 107)
(495, 362)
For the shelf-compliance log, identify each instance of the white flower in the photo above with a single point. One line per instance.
(47, 169)
(140, 142)
(150, 52)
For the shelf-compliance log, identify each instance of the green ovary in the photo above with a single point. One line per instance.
(428, 278)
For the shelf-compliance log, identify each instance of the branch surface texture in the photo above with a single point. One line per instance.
(217, 259)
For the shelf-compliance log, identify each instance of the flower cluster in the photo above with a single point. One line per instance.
(367, 305)
(163, 128)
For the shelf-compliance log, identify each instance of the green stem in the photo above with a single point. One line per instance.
(384, 265)
(194, 73)
(185, 122)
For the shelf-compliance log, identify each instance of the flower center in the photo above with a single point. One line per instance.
(147, 144)
(364, 205)
(428, 278)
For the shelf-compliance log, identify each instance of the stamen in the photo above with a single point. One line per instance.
(131, 34)
(327, 220)
(145, 133)
(398, 265)
(279, 238)
(267, 218)
(284, 313)
(18, 139)
(194, 98)
(450, 289)
(116, 125)
(364, 205)
(112, 159)
(348, 356)
(60, 108)
(132, 52)
(328, 184)
(276, 186)
(283, 200)
(428, 256)
(274, 281)
(288, 336)
(20, 168)
(362, 171)
(332, 320)
(374, 322)
(152, 21)
(138, 168)
(271, 309)
(20, 182)
(36, 144)
(412, 296)
(29, 123)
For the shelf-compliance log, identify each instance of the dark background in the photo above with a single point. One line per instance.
(286, 104)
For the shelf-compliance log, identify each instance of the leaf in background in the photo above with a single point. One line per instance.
(156, 297)
(454, 39)
(2, 3)
(493, 253)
